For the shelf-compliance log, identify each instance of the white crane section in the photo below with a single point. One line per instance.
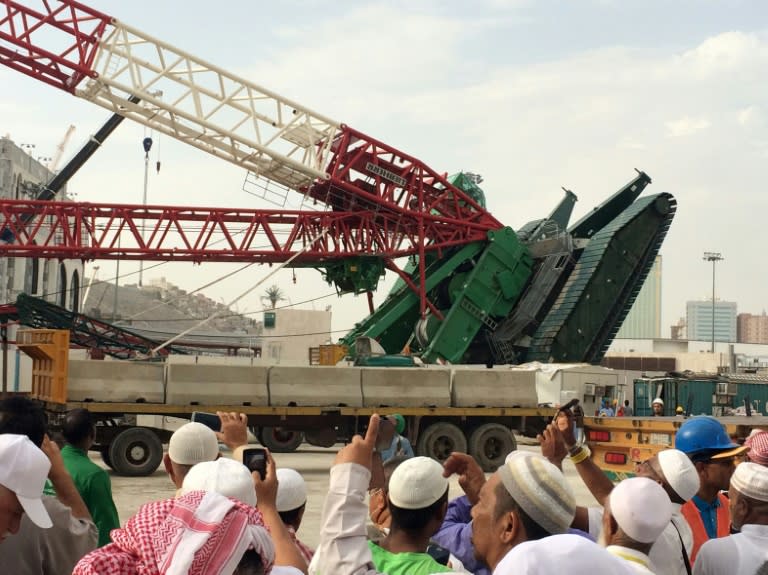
(207, 107)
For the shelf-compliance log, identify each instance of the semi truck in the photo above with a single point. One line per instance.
(471, 409)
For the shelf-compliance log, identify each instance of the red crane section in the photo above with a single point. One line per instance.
(377, 201)
(114, 231)
(74, 28)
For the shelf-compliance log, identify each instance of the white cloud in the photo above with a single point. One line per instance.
(751, 117)
(686, 126)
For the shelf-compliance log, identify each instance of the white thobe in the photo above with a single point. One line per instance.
(740, 554)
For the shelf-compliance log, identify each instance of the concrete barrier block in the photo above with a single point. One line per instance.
(315, 386)
(216, 384)
(116, 381)
(406, 387)
(494, 388)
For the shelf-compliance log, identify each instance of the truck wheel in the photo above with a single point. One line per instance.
(439, 440)
(279, 440)
(135, 452)
(490, 444)
(105, 456)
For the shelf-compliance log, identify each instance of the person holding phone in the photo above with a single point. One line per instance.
(399, 445)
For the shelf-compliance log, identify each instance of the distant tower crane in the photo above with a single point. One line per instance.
(54, 164)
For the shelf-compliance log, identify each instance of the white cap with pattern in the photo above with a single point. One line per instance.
(224, 476)
(193, 443)
(417, 483)
(540, 489)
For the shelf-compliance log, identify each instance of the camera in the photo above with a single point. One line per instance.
(208, 419)
(255, 459)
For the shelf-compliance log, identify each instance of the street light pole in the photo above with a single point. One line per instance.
(713, 257)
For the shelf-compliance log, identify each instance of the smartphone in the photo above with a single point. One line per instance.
(208, 419)
(255, 459)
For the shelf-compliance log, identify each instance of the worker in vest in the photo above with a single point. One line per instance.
(706, 442)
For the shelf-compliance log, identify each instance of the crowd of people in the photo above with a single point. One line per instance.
(700, 508)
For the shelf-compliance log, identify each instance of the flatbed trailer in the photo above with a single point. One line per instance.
(477, 411)
(618, 444)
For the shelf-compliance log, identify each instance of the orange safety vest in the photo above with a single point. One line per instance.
(693, 517)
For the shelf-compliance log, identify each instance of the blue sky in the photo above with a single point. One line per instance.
(532, 95)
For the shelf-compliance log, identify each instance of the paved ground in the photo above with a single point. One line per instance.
(313, 463)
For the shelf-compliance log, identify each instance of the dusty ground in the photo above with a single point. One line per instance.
(313, 463)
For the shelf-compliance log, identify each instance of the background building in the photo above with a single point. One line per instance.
(644, 319)
(288, 334)
(752, 328)
(699, 320)
(56, 281)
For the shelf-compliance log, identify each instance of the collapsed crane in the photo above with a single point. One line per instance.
(472, 291)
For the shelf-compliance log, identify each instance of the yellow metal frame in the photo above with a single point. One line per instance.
(49, 350)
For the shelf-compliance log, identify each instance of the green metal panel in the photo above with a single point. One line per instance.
(467, 185)
(354, 275)
(487, 293)
(392, 323)
(758, 395)
(702, 391)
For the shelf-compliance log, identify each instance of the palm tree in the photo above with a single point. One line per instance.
(273, 295)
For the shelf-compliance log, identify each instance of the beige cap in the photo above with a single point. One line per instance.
(751, 479)
(193, 443)
(540, 489)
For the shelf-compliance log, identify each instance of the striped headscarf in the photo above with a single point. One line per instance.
(199, 533)
(540, 489)
(758, 447)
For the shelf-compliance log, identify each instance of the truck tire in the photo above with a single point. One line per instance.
(439, 440)
(279, 440)
(135, 452)
(490, 444)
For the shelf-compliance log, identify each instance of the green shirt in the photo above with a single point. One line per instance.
(95, 488)
(404, 563)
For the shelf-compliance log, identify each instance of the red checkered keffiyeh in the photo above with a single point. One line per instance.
(200, 533)
(758, 447)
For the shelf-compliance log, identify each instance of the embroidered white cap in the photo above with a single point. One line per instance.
(751, 479)
(193, 443)
(224, 476)
(417, 483)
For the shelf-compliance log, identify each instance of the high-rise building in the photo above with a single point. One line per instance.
(752, 328)
(699, 320)
(644, 319)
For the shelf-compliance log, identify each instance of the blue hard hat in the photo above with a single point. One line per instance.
(703, 434)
